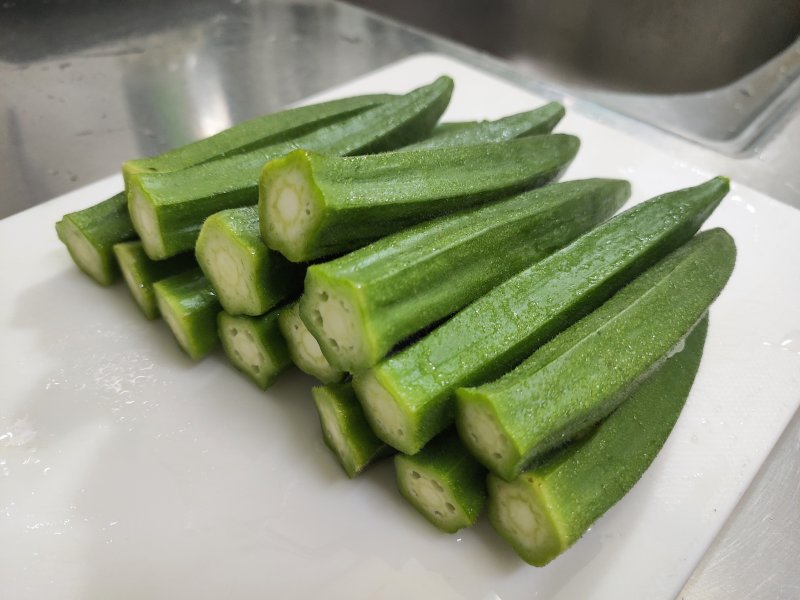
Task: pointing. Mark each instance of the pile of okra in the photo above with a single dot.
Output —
(515, 343)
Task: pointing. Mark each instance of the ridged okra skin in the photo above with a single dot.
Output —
(248, 277)
(140, 273)
(90, 235)
(345, 430)
(585, 372)
(189, 306)
(254, 345)
(548, 508)
(359, 306)
(409, 396)
(533, 122)
(314, 205)
(304, 348)
(168, 209)
(255, 133)
(443, 482)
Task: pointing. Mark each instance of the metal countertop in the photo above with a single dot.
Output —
(85, 85)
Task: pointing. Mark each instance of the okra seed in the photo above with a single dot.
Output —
(438, 513)
(234, 331)
(415, 475)
(255, 368)
(323, 296)
(437, 485)
(400, 432)
(249, 335)
(497, 455)
(450, 507)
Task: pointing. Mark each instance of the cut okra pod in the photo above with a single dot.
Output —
(304, 348)
(583, 374)
(189, 306)
(254, 345)
(443, 482)
(168, 209)
(140, 273)
(534, 122)
(314, 205)
(345, 430)
(408, 397)
(90, 235)
(359, 306)
(248, 277)
(548, 508)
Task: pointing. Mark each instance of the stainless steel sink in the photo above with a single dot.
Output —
(715, 71)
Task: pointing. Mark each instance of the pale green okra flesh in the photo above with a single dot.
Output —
(547, 508)
(443, 483)
(189, 307)
(304, 348)
(140, 273)
(255, 345)
(345, 430)
(249, 278)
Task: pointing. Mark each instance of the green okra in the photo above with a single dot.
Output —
(345, 430)
(359, 306)
(314, 205)
(248, 277)
(189, 306)
(408, 397)
(443, 482)
(549, 507)
(254, 345)
(304, 348)
(533, 122)
(140, 273)
(586, 371)
(91, 233)
(168, 209)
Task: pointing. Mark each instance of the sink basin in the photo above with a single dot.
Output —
(715, 71)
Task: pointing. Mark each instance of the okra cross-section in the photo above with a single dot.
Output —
(359, 306)
(408, 396)
(583, 374)
(248, 277)
(443, 482)
(548, 508)
(345, 430)
(189, 306)
(304, 348)
(254, 345)
(314, 205)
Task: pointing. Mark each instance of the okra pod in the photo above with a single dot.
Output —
(254, 345)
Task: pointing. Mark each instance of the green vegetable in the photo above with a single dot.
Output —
(359, 306)
(248, 277)
(315, 205)
(90, 235)
(583, 374)
(345, 430)
(443, 482)
(533, 122)
(140, 273)
(408, 397)
(168, 209)
(262, 131)
(189, 306)
(549, 507)
(254, 345)
(304, 348)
